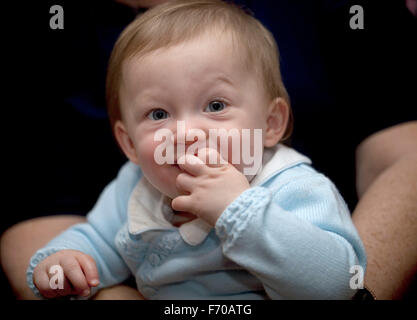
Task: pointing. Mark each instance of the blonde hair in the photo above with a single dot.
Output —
(178, 21)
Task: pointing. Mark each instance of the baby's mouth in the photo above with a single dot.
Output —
(176, 166)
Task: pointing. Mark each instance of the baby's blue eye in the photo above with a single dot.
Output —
(215, 106)
(158, 114)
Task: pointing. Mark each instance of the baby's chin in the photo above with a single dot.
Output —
(163, 179)
(169, 195)
(168, 189)
(172, 194)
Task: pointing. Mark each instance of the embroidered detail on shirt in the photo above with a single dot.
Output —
(148, 209)
(134, 250)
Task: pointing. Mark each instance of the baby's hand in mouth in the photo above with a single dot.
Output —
(208, 188)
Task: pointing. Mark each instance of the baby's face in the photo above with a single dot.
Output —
(201, 84)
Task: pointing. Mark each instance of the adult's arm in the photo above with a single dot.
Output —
(386, 215)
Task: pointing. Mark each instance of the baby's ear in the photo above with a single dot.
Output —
(124, 141)
(276, 122)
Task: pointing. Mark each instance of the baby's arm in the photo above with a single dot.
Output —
(95, 238)
(298, 238)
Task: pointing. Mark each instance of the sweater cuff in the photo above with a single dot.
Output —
(34, 261)
(237, 216)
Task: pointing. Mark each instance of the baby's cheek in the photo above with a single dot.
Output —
(146, 150)
(149, 167)
(248, 153)
(232, 151)
(147, 162)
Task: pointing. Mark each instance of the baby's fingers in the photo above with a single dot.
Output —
(41, 281)
(75, 275)
(88, 265)
(184, 203)
(66, 290)
(211, 157)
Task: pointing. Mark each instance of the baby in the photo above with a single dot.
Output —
(205, 225)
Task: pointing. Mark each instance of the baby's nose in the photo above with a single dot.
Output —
(187, 134)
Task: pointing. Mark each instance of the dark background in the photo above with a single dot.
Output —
(59, 151)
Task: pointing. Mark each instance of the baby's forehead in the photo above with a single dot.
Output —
(204, 52)
(189, 66)
(209, 40)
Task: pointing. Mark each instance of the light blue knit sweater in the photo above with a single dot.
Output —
(290, 236)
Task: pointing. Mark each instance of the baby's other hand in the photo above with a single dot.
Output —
(80, 273)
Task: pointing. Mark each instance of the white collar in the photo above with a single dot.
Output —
(148, 209)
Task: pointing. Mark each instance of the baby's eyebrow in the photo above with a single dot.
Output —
(223, 78)
(148, 97)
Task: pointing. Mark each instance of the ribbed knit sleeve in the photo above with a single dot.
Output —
(297, 237)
